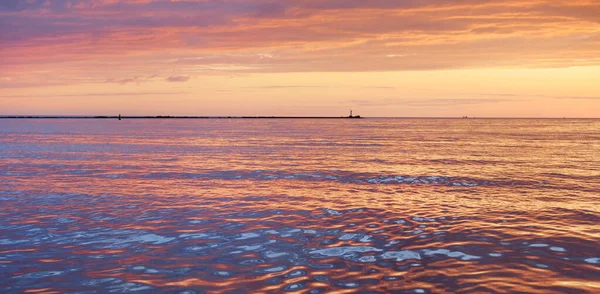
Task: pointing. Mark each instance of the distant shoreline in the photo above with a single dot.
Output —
(174, 117)
(116, 117)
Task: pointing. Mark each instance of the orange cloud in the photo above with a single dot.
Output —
(55, 43)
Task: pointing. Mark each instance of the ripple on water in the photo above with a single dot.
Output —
(39, 275)
(453, 254)
(401, 255)
(330, 245)
(593, 260)
(294, 287)
(222, 274)
(339, 251)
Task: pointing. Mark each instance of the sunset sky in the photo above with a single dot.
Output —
(505, 58)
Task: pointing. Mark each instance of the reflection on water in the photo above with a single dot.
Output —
(379, 205)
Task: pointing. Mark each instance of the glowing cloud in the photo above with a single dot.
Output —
(135, 43)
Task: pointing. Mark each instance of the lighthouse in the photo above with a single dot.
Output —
(350, 113)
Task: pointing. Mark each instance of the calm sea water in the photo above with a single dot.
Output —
(307, 206)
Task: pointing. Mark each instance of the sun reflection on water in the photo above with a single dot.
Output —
(411, 206)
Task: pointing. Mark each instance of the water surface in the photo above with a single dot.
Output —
(307, 206)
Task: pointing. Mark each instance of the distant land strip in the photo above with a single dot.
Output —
(174, 117)
(273, 117)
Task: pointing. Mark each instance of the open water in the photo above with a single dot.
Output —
(306, 206)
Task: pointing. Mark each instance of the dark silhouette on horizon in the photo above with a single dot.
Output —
(352, 116)
(120, 117)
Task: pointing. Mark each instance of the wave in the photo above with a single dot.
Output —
(299, 252)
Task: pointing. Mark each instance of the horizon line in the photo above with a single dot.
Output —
(261, 117)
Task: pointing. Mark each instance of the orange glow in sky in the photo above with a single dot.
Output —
(507, 58)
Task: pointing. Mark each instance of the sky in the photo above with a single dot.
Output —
(380, 58)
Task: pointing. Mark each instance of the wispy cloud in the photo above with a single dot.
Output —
(431, 102)
(321, 87)
(136, 80)
(177, 79)
(546, 96)
(572, 97)
(124, 81)
(92, 94)
(398, 55)
(379, 87)
(211, 36)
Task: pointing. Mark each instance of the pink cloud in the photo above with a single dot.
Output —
(177, 79)
(98, 39)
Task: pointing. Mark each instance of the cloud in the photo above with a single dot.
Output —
(546, 96)
(135, 79)
(123, 81)
(320, 87)
(94, 94)
(569, 97)
(137, 36)
(174, 79)
(432, 102)
(379, 87)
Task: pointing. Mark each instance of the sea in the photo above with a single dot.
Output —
(370, 205)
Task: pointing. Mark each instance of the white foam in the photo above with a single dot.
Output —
(401, 255)
(152, 238)
(296, 273)
(39, 275)
(129, 287)
(333, 212)
(365, 239)
(250, 247)
(274, 269)
(367, 259)
(349, 284)
(194, 235)
(339, 251)
(294, 286)
(245, 236)
(393, 242)
(347, 237)
(594, 260)
(272, 254)
(113, 176)
(453, 254)
(538, 245)
(195, 248)
(11, 242)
